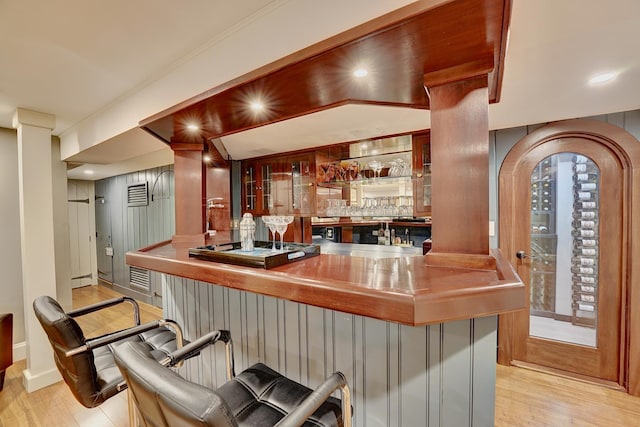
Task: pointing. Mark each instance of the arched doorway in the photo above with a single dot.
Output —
(569, 197)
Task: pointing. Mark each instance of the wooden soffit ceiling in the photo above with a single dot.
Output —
(443, 40)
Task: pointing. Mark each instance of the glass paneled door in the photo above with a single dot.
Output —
(568, 204)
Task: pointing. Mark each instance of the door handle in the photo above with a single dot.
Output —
(523, 255)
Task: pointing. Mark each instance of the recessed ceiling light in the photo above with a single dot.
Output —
(360, 72)
(256, 106)
(206, 158)
(88, 172)
(603, 78)
(192, 127)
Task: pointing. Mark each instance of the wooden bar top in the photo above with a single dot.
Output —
(403, 289)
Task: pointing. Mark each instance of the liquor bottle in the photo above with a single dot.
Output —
(387, 235)
(381, 234)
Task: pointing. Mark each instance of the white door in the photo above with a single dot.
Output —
(81, 240)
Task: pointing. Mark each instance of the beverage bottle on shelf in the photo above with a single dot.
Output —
(579, 158)
(381, 234)
(580, 232)
(584, 298)
(585, 177)
(584, 261)
(583, 288)
(585, 168)
(585, 243)
(586, 215)
(585, 279)
(393, 236)
(584, 205)
(586, 196)
(585, 251)
(387, 235)
(585, 186)
(583, 306)
(593, 270)
(583, 224)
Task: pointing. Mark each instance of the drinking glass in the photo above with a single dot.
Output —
(271, 223)
(281, 227)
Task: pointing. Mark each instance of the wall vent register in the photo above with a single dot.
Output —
(137, 194)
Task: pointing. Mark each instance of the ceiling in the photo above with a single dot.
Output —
(76, 60)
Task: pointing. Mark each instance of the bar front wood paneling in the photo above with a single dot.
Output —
(403, 290)
(436, 375)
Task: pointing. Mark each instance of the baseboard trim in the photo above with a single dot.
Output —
(36, 382)
(19, 351)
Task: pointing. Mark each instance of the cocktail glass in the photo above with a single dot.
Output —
(271, 223)
(281, 227)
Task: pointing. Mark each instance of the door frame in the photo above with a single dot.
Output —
(627, 149)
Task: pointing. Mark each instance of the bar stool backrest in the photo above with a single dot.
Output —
(64, 333)
(164, 398)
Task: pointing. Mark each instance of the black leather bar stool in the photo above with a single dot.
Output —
(87, 365)
(258, 396)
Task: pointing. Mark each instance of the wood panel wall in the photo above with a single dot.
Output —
(137, 227)
(437, 375)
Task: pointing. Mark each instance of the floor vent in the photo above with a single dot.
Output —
(139, 277)
(137, 194)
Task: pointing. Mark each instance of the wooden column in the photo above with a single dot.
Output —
(460, 168)
(190, 193)
(37, 235)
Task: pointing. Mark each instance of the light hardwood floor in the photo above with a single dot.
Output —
(523, 397)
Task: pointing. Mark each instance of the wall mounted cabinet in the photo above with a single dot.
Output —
(279, 186)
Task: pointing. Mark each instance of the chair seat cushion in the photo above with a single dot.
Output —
(261, 396)
(160, 342)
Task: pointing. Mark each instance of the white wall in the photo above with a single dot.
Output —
(10, 258)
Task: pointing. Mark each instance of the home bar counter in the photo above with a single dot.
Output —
(417, 343)
(415, 336)
(400, 289)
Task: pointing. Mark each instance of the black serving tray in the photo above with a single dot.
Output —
(262, 255)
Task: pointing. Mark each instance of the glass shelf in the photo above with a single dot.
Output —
(367, 181)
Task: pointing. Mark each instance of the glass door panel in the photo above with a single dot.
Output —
(564, 249)
(267, 193)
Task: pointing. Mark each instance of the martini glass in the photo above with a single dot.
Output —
(271, 223)
(281, 227)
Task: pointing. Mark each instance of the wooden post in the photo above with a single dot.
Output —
(460, 167)
(190, 193)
